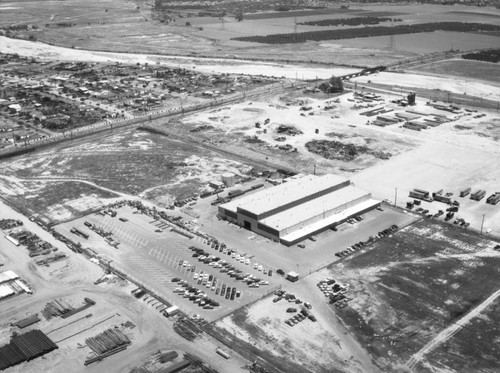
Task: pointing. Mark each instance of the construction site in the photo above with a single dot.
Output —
(246, 187)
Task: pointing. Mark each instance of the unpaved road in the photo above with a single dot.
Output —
(447, 333)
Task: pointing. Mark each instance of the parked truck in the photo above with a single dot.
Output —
(478, 195)
(171, 311)
(419, 195)
(465, 192)
(223, 353)
(494, 198)
(441, 198)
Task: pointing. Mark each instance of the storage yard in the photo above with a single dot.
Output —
(200, 188)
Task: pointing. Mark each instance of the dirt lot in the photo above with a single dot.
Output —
(129, 163)
(73, 279)
(471, 348)
(53, 200)
(413, 284)
(306, 117)
(260, 332)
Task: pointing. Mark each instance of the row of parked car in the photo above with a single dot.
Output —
(450, 214)
(352, 249)
(194, 294)
(335, 291)
(224, 267)
(221, 247)
(291, 298)
(301, 316)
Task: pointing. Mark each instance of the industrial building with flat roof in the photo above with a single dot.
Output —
(297, 209)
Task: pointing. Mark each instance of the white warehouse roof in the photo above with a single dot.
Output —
(315, 207)
(333, 219)
(271, 198)
(8, 276)
(5, 291)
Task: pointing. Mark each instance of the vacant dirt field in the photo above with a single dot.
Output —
(53, 200)
(413, 284)
(473, 348)
(129, 163)
(260, 331)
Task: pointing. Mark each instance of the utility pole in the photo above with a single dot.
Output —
(482, 224)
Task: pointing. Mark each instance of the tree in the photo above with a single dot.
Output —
(336, 83)
(333, 85)
(239, 16)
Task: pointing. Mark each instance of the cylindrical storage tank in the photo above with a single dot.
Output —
(228, 179)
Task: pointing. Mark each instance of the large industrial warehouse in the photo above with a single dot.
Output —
(292, 211)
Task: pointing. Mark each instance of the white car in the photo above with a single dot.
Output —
(185, 263)
(256, 265)
(260, 268)
(247, 262)
(195, 277)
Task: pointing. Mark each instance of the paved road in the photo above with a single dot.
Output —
(447, 333)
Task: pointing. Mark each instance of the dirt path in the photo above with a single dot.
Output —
(447, 333)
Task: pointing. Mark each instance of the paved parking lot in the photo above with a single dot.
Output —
(154, 258)
(316, 254)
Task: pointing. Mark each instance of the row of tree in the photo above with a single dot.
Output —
(364, 32)
(356, 21)
(492, 55)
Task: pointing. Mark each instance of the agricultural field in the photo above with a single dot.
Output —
(409, 287)
(465, 69)
(112, 26)
(369, 32)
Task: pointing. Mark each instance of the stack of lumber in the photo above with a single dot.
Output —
(30, 320)
(106, 341)
(25, 347)
(56, 308)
